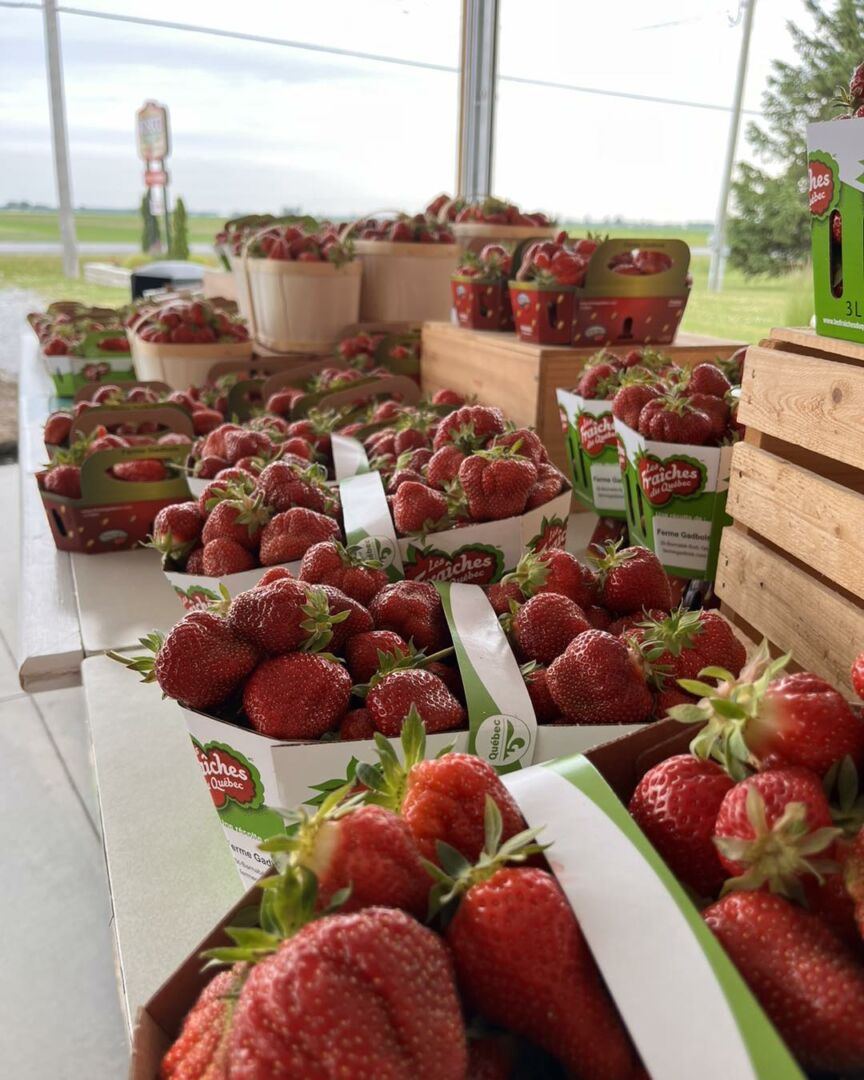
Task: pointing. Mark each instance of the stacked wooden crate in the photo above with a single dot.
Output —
(791, 568)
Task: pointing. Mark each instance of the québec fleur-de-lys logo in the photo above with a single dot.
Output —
(230, 776)
(503, 740)
(662, 479)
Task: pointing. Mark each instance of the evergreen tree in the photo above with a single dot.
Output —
(179, 232)
(770, 230)
(151, 239)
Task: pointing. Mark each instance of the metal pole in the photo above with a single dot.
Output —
(477, 104)
(718, 244)
(60, 138)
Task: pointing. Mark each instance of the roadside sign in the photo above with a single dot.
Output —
(156, 178)
(152, 128)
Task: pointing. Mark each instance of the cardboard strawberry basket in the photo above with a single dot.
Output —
(91, 364)
(676, 500)
(480, 553)
(686, 1008)
(592, 453)
(249, 774)
(156, 420)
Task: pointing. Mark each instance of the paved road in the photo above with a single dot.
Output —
(50, 248)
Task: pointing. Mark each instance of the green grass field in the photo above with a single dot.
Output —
(745, 310)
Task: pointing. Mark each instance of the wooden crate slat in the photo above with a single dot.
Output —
(816, 520)
(803, 339)
(809, 401)
(822, 629)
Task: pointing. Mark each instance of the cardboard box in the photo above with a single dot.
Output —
(481, 305)
(249, 774)
(688, 1011)
(676, 500)
(836, 197)
(592, 453)
(543, 316)
(478, 554)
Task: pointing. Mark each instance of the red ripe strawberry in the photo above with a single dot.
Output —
(356, 724)
(496, 487)
(281, 617)
(364, 652)
(283, 487)
(225, 485)
(679, 645)
(545, 625)
(674, 420)
(355, 618)
(274, 573)
(854, 878)
(239, 518)
(330, 563)
(708, 379)
(298, 696)
(447, 397)
(177, 528)
(598, 381)
(413, 609)
(201, 1048)
(470, 427)
(856, 85)
(63, 480)
(145, 471)
(490, 1057)
(57, 429)
(402, 476)
(716, 410)
(549, 483)
(598, 616)
(522, 441)
(545, 709)
(503, 593)
(368, 994)
(631, 579)
(830, 899)
(773, 828)
(208, 466)
(443, 467)
(246, 444)
(630, 400)
(282, 401)
(289, 535)
(809, 984)
(370, 849)
(409, 439)
(195, 562)
(224, 556)
(200, 661)
(675, 804)
(858, 676)
(449, 675)
(297, 447)
(521, 959)
(555, 571)
(108, 442)
(390, 700)
(598, 680)
(205, 420)
(418, 508)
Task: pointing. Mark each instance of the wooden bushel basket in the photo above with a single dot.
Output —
(405, 282)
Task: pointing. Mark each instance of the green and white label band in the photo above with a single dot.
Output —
(368, 525)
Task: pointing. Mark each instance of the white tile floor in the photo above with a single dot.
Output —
(59, 1011)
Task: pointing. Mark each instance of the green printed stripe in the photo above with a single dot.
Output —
(770, 1057)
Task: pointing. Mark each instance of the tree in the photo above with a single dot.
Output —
(179, 232)
(151, 239)
(770, 230)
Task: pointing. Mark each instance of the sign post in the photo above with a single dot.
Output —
(154, 146)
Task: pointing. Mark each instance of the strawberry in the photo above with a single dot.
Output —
(448, 674)
(503, 593)
(809, 984)
(289, 535)
(490, 1057)
(599, 617)
(673, 419)
(413, 610)
(365, 652)
(630, 400)
(443, 466)
(224, 556)
(243, 444)
(403, 476)
(631, 579)
(496, 484)
(391, 697)
(522, 961)
(545, 709)
(240, 518)
(522, 441)
(854, 878)
(675, 804)
(274, 573)
(858, 676)
(555, 571)
(768, 718)
(330, 563)
(282, 616)
(598, 381)
(283, 487)
(598, 680)
(205, 420)
(367, 994)
(679, 645)
(195, 562)
(57, 428)
(549, 483)
(208, 466)
(708, 379)
(144, 471)
(320, 690)
(829, 898)
(347, 616)
(356, 724)
(470, 427)
(200, 661)
(418, 508)
(545, 625)
(770, 826)
(227, 484)
(201, 1048)
(367, 849)
(717, 411)
(447, 397)
(63, 480)
(177, 528)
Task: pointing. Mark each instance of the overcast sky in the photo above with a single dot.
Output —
(261, 127)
